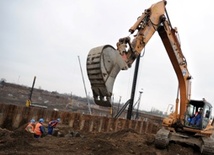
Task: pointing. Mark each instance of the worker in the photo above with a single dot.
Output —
(31, 125)
(52, 124)
(39, 129)
(196, 120)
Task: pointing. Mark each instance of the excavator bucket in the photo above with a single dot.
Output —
(103, 65)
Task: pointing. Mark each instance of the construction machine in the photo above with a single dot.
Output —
(105, 62)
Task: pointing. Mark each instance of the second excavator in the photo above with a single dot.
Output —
(105, 62)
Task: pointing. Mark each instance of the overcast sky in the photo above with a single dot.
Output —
(44, 38)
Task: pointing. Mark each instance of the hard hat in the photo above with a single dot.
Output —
(41, 120)
(32, 121)
(58, 119)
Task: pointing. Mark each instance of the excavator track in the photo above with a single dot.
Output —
(162, 138)
(103, 65)
(207, 147)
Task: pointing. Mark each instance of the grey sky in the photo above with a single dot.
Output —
(44, 38)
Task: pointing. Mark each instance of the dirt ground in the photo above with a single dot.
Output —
(126, 142)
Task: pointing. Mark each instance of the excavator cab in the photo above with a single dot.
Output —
(196, 129)
(198, 114)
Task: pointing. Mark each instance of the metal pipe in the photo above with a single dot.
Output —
(89, 108)
(129, 113)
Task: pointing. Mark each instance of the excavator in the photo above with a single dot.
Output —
(105, 62)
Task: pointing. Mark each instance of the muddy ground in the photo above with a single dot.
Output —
(124, 142)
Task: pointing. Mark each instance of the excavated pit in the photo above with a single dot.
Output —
(78, 134)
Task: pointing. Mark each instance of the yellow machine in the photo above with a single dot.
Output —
(105, 62)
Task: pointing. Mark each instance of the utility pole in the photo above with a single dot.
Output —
(89, 108)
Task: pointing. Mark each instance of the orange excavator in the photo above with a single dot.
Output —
(105, 62)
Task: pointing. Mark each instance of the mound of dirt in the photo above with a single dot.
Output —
(126, 142)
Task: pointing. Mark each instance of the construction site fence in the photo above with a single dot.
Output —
(13, 117)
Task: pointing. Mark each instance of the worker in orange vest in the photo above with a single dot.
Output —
(52, 124)
(31, 125)
(39, 129)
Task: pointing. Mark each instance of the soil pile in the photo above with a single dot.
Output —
(126, 142)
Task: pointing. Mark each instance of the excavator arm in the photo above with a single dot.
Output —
(146, 26)
(105, 62)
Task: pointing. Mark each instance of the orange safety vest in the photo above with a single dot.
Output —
(29, 127)
(37, 130)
